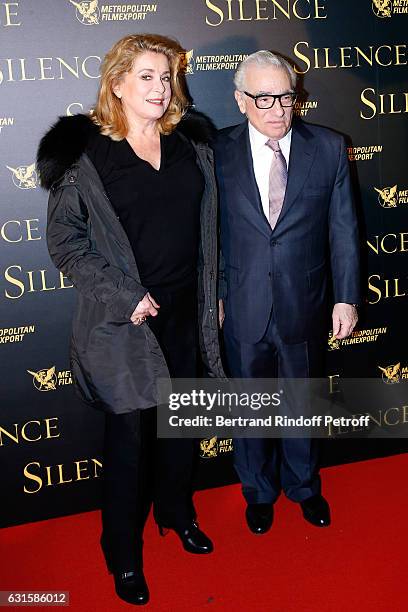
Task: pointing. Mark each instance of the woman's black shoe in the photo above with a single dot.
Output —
(193, 539)
(131, 587)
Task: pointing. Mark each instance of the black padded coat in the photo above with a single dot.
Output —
(115, 364)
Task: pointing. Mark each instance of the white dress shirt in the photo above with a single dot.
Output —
(262, 159)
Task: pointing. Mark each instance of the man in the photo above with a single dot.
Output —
(286, 212)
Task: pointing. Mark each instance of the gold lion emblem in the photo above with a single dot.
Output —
(333, 343)
(44, 380)
(87, 12)
(388, 195)
(187, 60)
(209, 448)
(391, 373)
(24, 177)
(382, 8)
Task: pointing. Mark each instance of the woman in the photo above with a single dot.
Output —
(132, 222)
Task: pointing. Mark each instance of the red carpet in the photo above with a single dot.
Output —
(359, 563)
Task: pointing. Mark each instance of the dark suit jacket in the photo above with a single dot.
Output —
(287, 268)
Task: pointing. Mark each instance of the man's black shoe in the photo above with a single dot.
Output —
(316, 511)
(193, 539)
(259, 517)
(132, 587)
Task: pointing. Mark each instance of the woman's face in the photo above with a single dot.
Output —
(145, 91)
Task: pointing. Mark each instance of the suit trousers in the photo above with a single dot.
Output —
(266, 466)
(139, 468)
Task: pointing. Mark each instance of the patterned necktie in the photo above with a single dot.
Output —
(278, 177)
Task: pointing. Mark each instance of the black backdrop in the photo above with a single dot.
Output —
(353, 65)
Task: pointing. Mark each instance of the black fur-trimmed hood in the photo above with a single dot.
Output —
(67, 139)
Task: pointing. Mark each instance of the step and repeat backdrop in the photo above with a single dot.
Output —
(351, 58)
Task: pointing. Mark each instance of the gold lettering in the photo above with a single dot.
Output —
(10, 14)
(282, 10)
(392, 111)
(3, 231)
(382, 243)
(396, 287)
(241, 12)
(24, 77)
(31, 476)
(85, 69)
(14, 281)
(373, 288)
(69, 108)
(8, 434)
(400, 51)
(259, 9)
(344, 57)
(377, 57)
(386, 420)
(49, 428)
(23, 432)
(368, 103)
(217, 11)
(31, 229)
(60, 467)
(80, 469)
(43, 68)
(301, 56)
(296, 14)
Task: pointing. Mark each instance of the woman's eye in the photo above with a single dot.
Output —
(146, 77)
(166, 79)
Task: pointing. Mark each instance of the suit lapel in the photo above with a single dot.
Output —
(302, 152)
(241, 157)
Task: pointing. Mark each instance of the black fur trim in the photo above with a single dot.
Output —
(66, 141)
(197, 127)
(62, 146)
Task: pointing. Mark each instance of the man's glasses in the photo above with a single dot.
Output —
(268, 100)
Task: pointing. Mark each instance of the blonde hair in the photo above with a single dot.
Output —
(108, 112)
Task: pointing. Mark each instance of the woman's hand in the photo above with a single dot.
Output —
(147, 307)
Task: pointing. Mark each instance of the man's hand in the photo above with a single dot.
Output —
(344, 320)
(221, 313)
(147, 307)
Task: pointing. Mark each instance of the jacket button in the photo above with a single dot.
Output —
(71, 179)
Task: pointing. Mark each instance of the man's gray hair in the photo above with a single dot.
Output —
(263, 58)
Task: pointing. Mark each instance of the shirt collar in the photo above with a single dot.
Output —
(258, 140)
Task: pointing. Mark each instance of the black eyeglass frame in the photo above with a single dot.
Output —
(275, 97)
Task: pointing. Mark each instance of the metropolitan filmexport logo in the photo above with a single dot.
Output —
(24, 177)
(382, 8)
(44, 380)
(204, 63)
(211, 447)
(391, 374)
(333, 343)
(187, 59)
(48, 379)
(388, 8)
(87, 13)
(358, 336)
(388, 196)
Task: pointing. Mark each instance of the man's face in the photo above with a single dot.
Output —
(273, 122)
